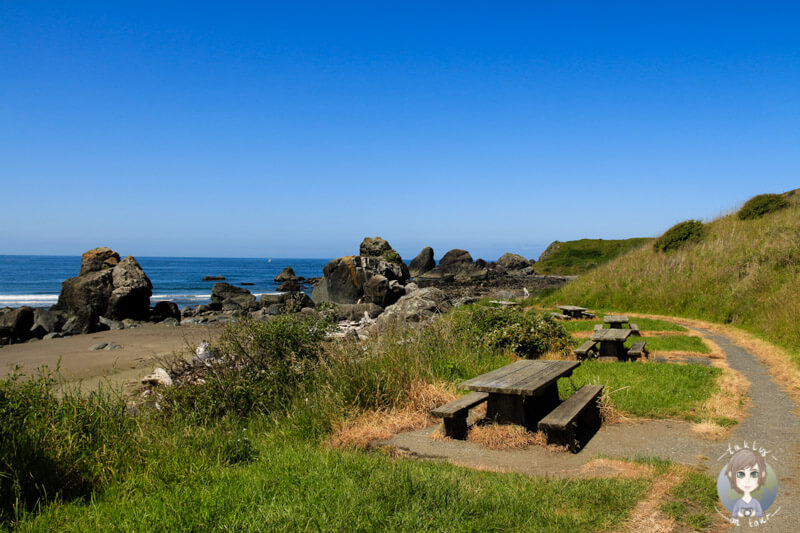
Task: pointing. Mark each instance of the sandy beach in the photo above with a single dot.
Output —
(143, 348)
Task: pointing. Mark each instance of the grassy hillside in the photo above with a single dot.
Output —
(577, 257)
(742, 272)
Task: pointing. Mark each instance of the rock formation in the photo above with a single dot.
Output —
(105, 287)
(423, 263)
(348, 280)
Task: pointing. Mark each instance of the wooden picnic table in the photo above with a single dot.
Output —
(523, 392)
(612, 341)
(573, 310)
(616, 321)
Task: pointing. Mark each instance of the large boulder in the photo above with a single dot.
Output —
(424, 262)
(344, 278)
(455, 261)
(132, 290)
(105, 287)
(232, 298)
(85, 298)
(511, 261)
(164, 310)
(98, 259)
(46, 321)
(418, 306)
(287, 274)
(16, 324)
(376, 247)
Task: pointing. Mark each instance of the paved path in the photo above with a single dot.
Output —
(772, 423)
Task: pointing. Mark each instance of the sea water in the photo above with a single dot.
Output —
(35, 280)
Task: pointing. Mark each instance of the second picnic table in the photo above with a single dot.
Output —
(523, 392)
(612, 341)
(616, 321)
(573, 310)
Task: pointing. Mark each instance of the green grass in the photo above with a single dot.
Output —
(673, 343)
(647, 390)
(578, 257)
(645, 325)
(668, 343)
(692, 502)
(296, 486)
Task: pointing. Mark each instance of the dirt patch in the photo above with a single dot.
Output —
(505, 437)
(647, 515)
(609, 468)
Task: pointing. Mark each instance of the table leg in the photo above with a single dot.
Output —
(505, 408)
(521, 410)
(612, 349)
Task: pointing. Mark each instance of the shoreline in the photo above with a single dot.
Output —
(142, 349)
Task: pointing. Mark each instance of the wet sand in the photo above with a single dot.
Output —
(143, 348)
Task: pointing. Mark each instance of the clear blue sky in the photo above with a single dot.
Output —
(295, 129)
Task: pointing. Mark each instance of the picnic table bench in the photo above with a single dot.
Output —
(574, 421)
(454, 414)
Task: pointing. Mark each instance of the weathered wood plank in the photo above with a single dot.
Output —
(637, 350)
(615, 319)
(542, 380)
(561, 416)
(532, 374)
(464, 403)
(585, 348)
(497, 373)
(613, 334)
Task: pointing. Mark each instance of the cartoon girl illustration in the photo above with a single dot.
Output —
(746, 473)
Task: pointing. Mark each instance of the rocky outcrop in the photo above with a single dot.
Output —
(418, 306)
(552, 248)
(84, 299)
(456, 260)
(164, 310)
(16, 324)
(424, 262)
(289, 286)
(96, 259)
(228, 297)
(345, 279)
(46, 322)
(119, 292)
(287, 274)
(511, 261)
(132, 290)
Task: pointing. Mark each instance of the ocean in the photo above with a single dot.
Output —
(35, 280)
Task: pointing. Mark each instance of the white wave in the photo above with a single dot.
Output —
(32, 300)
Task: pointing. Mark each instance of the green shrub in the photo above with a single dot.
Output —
(678, 235)
(528, 334)
(53, 448)
(760, 205)
(262, 367)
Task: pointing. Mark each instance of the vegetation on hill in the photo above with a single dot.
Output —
(577, 257)
(758, 206)
(678, 235)
(745, 273)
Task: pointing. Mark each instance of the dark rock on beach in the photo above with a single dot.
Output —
(164, 310)
(287, 274)
(289, 286)
(229, 297)
(423, 262)
(16, 324)
(118, 292)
